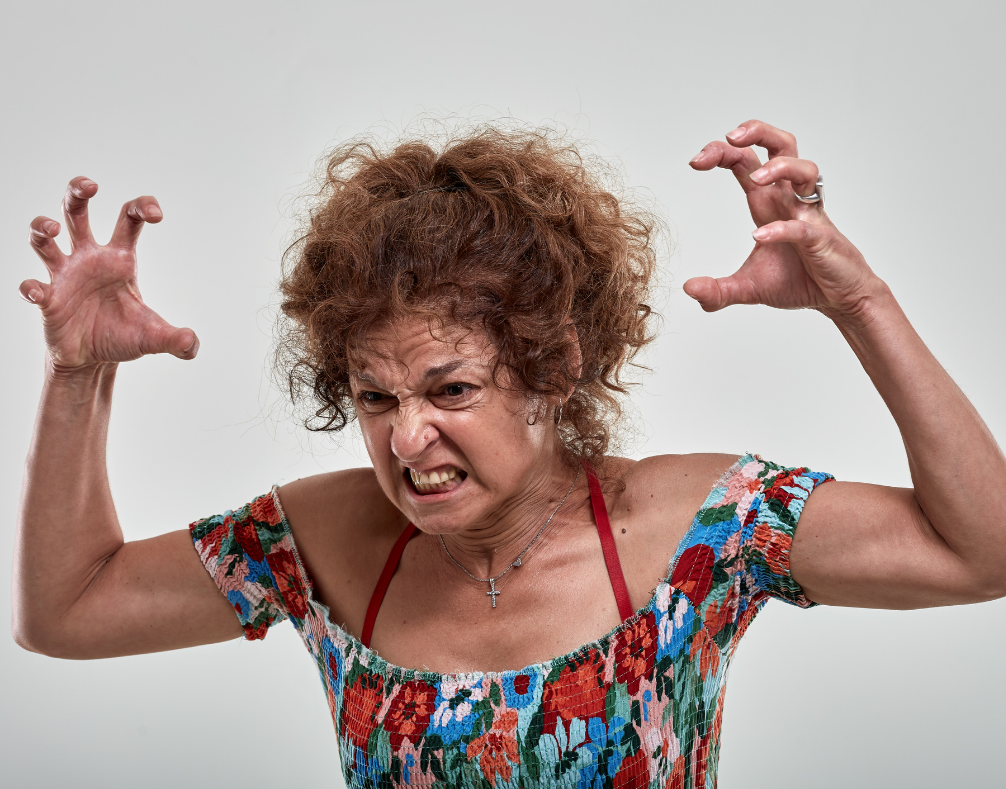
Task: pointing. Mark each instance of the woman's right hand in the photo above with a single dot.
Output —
(92, 311)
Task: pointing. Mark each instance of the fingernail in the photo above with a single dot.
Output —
(759, 174)
(87, 183)
(736, 134)
(152, 212)
(697, 156)
(52, 228)
(34, 296)
(761, 234)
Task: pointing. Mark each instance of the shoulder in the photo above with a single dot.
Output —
(667, 482)
(340, 516)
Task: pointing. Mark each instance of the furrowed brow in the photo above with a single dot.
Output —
(443, 369)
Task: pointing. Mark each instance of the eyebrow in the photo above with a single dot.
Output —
(430, 374)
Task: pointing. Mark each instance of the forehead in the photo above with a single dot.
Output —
(412, 348)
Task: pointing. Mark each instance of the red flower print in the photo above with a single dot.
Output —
(521, 683)
(209, 543)
(775, 490)
(774, 546)
(498, 748)
(253, 633)
(722, 613)
(693, 573)
(360, 707)
(677, 779)
(578, 692)
(634, 772)
(263, 509)
(709, 654)
(288, 582)
(636, 652)
(247, 537)
(410, 712)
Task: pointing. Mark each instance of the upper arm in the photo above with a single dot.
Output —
(150, 596)
(873, 547)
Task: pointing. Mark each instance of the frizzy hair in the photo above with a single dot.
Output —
(502, 228)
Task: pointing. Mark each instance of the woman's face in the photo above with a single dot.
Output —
(451, 450)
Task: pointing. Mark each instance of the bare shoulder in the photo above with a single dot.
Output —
(340, 517)
(669, 481)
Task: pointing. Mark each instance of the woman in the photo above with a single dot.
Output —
(474, 309)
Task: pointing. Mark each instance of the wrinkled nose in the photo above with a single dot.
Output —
(411, 433)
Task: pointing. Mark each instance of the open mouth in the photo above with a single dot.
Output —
(436, 480)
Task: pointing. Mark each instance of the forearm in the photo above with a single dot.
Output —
(957, 468)
(67, 527)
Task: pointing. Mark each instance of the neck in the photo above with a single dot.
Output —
(486, 550)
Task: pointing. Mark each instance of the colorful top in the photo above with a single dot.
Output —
(639, 707)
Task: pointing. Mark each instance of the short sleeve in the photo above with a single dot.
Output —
(735, 556)
(250, 555)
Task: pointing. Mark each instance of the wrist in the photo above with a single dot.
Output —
(77, 375)
(873, 301)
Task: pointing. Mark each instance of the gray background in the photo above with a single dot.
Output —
(220, 110)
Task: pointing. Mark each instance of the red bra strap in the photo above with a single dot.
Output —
(382, 583)
(615, 574)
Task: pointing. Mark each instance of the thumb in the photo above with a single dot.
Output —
(715, 294)
(159, 336)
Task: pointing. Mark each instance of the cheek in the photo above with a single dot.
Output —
(377, 438)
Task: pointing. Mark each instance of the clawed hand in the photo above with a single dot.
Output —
(800, 260)
(92, 312)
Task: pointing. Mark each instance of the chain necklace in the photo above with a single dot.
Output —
(516, 562)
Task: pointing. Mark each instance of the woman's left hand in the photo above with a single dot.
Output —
(799, 260)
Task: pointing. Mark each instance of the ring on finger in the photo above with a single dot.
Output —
(817, 197)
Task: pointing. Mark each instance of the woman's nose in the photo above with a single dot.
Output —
(411, 433)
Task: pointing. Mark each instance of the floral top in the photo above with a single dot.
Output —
(639, 707)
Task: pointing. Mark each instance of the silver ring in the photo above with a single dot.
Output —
(817, 197)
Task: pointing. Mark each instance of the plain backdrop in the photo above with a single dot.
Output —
(220, 109)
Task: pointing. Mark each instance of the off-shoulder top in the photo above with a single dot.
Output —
(639, 707)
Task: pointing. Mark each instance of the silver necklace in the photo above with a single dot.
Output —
(493, 592)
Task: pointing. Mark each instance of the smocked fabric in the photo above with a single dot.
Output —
(639, 707)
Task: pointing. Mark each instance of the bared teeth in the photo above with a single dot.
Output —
(424, 481)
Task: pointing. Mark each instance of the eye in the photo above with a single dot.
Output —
(453, 394)
(371, 397)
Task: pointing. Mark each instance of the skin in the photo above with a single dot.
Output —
(425, 401)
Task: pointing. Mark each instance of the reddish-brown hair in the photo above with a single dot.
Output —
(509, 231)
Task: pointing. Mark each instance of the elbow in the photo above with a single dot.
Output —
(40, 638)
(988, 588)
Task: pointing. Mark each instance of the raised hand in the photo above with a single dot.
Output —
(92, 312)
(800, 260)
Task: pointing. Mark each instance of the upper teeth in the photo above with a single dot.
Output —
(433, 477)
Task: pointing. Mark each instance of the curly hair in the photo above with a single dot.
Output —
(511, 231)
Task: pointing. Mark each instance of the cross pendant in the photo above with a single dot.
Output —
(492, 590)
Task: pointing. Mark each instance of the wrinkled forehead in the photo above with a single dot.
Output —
(411, 351)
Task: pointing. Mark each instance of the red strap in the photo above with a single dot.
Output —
(382, 583)
(611, 560)
(615, 574)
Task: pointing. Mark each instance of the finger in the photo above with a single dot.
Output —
(41, 233)
(801, 173)
(159, 336)
(776, 141)
(35, 292)
(715, 294)
(132, 217)
(809, 235)
(741, 161)
(79, 191)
